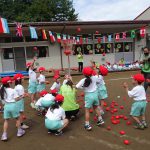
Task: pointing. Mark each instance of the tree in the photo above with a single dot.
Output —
(37, 10)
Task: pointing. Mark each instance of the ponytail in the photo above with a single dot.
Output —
(3, 91)
(54, 106)
(87, 81)
(18, 82)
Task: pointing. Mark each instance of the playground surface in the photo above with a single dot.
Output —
(75, 137)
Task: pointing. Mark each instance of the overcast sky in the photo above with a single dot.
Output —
(97, 10)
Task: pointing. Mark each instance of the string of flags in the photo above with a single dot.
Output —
(53, 36)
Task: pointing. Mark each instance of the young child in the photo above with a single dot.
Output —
(10, 97)
(55, 117)
(56, 84)
(102, 91)
(139, 96)
(41, 80)
(88, 84)
(69, 105)
(67, 77)
(20, 104)
(32, 88)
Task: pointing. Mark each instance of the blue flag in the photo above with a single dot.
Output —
(33, 33)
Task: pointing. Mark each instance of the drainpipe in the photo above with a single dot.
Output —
(61, 59)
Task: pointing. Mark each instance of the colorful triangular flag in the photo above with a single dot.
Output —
(58, 38)
(52, 37)
(44, 36)
(33, 33)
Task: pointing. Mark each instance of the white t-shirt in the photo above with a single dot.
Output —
(100, 80)
(47, 97)
(56, 114)
(55, 86)
(65, 81)
(138, 93)
(10, 95)
(41, 78)
(32, 76)
(91, 88)
(19, 89)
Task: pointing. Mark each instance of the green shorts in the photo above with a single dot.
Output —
(91, 99)
(102, 92)
(138, 108)
(10, 111)
(40, 87)
(46, 103)
(20, 105)
(32, 88)
(53, 124)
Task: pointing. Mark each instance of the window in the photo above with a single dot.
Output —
(40, 51)
(88, 49)
(77, 49)
(99, 48)
(127, 47)
(8, 53)
(118, 47)
(108, 48)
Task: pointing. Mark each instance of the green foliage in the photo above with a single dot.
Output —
(37, 10)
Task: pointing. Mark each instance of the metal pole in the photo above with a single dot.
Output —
(68, 65)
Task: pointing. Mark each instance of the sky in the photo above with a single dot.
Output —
(100, 10)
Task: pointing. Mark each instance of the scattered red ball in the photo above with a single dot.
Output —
(115, 110)
(125, 118)
(95, 118)
(121, 116)
(107, 108)
(117, 117)
(121, 107)
(108, 128)
(126, 142)
(122, 132)
(128, 123)
(91, 110)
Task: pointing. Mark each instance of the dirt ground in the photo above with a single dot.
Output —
(75, 137)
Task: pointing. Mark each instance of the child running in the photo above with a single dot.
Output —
(89, 85)
(102, 91)
(20, 104)
(55, 117)
(10, 97)
(138, 107)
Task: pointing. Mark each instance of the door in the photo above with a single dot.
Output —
(8, 60)
(20, 61)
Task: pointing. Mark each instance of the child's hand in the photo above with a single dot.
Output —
(125, 85)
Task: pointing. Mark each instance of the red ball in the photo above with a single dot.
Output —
(112, 106)
(121, 107)
(97, 32)
(107, 108)
(95, 118)
(114, 122)
(126, 142)
(103, 54)
(121, 116)
(112, 111)
(78, 29)
(122, 132)
(115, 110)
(125, 118)
(108, 128)
(116, 104)
(105, 104)
(91, 110)
(128, 123)
(117, 117)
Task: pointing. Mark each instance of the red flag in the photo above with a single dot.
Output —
(52, 38)
(44, 36)
(19, 29)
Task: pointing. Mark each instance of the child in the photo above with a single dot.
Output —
(56, 84)
(41, 80)
(102, 91)
(69, 105)
(10, 97)
(20, 104)
(139, 96)
(32, 88)
(67, 77)
(55, 117)
(88, 84)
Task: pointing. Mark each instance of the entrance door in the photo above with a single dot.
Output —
(8, 60)
(20, 61)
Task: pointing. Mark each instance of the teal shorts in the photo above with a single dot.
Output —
(91, 99)
(138, 108)
(32, 88)
(46, 103)
(20, 105)
(40, 87)
(53, 124)
(102, 92)
(10, 111)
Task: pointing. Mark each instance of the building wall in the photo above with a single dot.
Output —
(0, 60)
(145, 15)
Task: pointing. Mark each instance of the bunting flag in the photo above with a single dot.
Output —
(64, 38)
(58, 38)
(19, 30)
(87, 40)
(69, 39)
(109, 38)
(81, 40)
(78, 40)
(44, 36)
(74, 40)
(124, 35)
(132, 34)
(104, 39)
(99, 40)
(142, 32)
(52, 37)
(4, 26)
(117, 37)
(33, 33)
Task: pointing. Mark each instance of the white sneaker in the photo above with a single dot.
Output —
(24, 126)
(32, 104)
(4, 137)
(20, 132)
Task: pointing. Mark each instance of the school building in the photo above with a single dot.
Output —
(15, 51)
